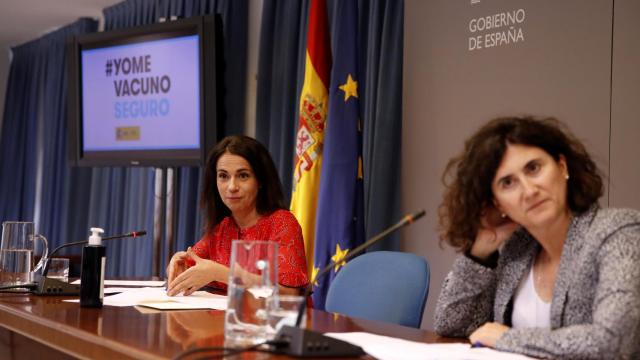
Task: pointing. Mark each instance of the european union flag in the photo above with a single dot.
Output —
(339, 222)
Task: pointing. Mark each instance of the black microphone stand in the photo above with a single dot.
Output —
(48, 286)
(299, 342)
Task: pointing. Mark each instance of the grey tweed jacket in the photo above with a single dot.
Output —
(595, 310)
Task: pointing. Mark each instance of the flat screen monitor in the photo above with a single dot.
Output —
(143, 96)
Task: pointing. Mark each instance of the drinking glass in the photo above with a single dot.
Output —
(253, 281)
(283, 310)
(59, 269)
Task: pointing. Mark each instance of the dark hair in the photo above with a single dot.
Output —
(270, 196)
(468, 177)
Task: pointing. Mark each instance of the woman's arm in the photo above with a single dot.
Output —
(181, 261)
(292, 263)
(468, 293)
(205, 271)
(195, 277)
(466, 299)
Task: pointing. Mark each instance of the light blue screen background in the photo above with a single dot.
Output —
(179, 129)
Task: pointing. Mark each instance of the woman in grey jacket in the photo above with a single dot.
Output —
(544, 272)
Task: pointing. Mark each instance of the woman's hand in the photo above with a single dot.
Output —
(203, 272)
(488, 334)
(493, 231)
(177, 265)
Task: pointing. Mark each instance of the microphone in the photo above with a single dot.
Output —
(298, 342)
(47, 286)
(133, 234)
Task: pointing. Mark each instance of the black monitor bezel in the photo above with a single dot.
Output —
(204, 27)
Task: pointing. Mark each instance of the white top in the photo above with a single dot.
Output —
(528, 309)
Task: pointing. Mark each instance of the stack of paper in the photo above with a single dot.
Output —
(157, 298)
(146, 283)
(384, 347)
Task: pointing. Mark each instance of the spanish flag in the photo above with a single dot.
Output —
(310, 136)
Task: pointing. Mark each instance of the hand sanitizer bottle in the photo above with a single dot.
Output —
(92, 275)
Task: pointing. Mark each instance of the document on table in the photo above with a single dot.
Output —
(148, 283)
(385, 347)
(157, 298)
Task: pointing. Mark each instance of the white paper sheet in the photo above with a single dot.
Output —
(172, 305)
(115, 290)
(148, 283)
(384, 347)
(150, 295)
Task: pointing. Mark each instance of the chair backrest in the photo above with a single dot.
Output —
(382, 285)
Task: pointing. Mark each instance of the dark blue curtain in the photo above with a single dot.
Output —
(19, 133)
(280, 78)
(283, 40)
(61, 200)
(122, 199)
(381, 30)
(33, 169)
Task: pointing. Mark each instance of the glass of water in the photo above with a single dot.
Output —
(253, 281)
(283, 310)
(59, 269)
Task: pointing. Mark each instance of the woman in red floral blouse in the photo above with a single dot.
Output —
(242, 198)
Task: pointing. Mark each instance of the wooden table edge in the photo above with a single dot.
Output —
(49, 333)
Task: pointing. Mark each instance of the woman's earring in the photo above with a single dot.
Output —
(503, 215)
(566, 177)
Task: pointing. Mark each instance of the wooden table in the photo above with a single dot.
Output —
(33, 327)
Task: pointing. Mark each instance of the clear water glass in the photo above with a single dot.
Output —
(283, 310)
(59, 269)
(253, 281)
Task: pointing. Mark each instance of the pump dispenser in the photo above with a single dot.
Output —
(92, 275)
(95, 238)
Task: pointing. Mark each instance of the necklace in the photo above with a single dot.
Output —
(544, 277)
(538, 274)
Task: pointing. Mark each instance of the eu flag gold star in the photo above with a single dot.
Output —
(314, 273)
(338, 256)
(350, 88)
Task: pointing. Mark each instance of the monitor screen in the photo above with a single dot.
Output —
(140, 96)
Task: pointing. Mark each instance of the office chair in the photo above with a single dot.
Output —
(382, 285)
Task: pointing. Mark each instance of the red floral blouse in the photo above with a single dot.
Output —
(280, 226)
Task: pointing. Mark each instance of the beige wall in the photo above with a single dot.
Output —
(625, 107)
(561, 67)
